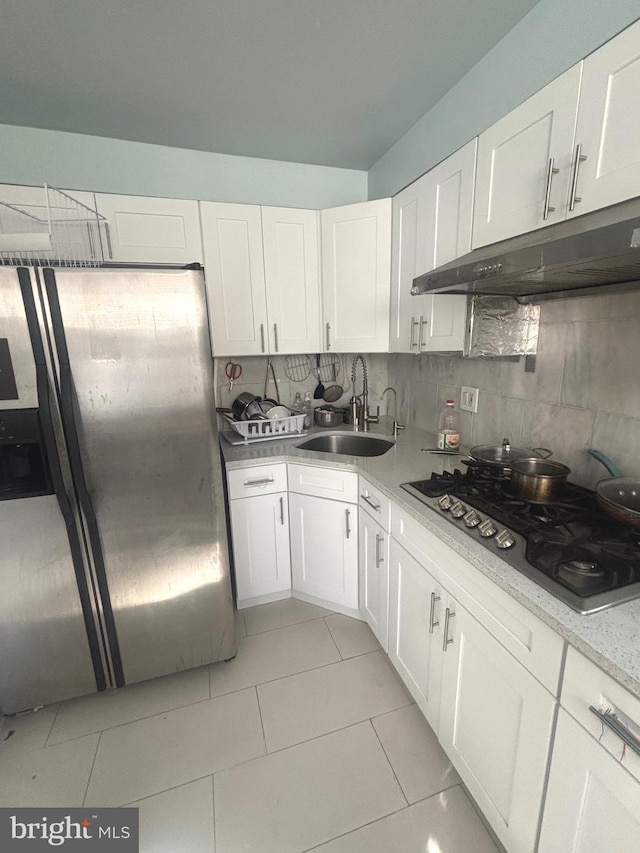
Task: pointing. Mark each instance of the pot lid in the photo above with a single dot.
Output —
(499, 453)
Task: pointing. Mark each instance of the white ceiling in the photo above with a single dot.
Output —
(331, 82)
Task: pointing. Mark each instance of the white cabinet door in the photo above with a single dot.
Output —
(495, 725)
(608, 128)
(324, 550)
(260, 536)
(516, 159)
(592, 802)
(415, 626)
(234, 271)
(292, 272)
(147, 230)
(356, 276)
(431, 226)
(373, 557)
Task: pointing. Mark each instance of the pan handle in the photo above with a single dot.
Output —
(611, 467)
(542, 452)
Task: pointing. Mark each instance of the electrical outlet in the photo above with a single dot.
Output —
(469, 399)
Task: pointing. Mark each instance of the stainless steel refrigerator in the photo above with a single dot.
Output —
(113, 547)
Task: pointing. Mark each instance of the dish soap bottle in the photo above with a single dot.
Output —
(449, 428)
(307, 409)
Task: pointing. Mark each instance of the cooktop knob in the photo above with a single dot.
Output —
(458, 509)
(487, 528)
(472, 519)
(505, 540)
(445, 503)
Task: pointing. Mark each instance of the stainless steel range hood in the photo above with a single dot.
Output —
(567, 259)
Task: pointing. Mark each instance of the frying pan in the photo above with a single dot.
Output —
(618, 496)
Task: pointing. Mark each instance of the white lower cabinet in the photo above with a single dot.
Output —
(324, 551)
(593, 797)
(415, 630)
(593, 802)
(260, 530)
(496, 723)
(373, 575)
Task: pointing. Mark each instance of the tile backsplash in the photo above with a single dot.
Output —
(585, 391)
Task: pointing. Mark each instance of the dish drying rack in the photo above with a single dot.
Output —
(268, 429)
(51, 229)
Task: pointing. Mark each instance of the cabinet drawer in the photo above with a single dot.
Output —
(586, 685)
(371, 499)
(257, 480)
(324, 482)
(528, 639)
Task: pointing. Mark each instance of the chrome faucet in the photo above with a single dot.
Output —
(360, 411)
(396, 425)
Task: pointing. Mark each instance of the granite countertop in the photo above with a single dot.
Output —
(610, 638)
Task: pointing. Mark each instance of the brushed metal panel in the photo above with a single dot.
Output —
(139, 351)
(13, 327)
(44, 652)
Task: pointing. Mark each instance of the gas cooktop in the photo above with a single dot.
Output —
(570, 547)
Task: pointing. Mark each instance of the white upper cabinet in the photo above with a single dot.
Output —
(234, 271)
(431, 226)
(517, 186)
(608, 128)
(356, 256)
(292, 275)
(263, 282)
(146, 230)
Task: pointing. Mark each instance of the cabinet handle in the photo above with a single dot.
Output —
(262, 336)
(379, 559)
(432, 622)
(551, 171)
(368, 500)
(275, 335)
(421, 325)
(412, 341)
(445, 639)
(282, 511)
(348, 513)
(328, 336)
(579, 158)
(263, 482)
(612, 722)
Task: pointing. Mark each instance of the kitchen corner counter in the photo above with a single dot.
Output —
(610, 638)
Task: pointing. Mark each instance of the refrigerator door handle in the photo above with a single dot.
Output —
(49, 440)
(75, 460)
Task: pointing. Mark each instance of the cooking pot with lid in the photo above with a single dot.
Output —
(503, 455)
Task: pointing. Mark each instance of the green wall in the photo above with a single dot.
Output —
(551, 38)
(76, 161)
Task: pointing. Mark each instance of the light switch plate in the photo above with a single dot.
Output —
(469, 399)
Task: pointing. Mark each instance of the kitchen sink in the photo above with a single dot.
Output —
(348, 443)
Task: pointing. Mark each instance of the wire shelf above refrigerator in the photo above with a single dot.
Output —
(51, 228)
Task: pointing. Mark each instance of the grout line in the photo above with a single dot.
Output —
(356, 829)
(213, 810)
(291, 625)
(93, 764)
(53, 721)
(264, 737)
(164, 791)
(393, 770)
(333, 638)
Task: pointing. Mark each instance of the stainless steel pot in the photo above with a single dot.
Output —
(328, 416)
(538, 480)
(242, 404)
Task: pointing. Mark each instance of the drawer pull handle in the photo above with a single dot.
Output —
(551, 171)
(262, 337)
(348, 513)
(379, 559)
(432, 623)
(445, 639)
(282, 511)
(579, 158)
(275, 335)
(265, 481)
(609, 719)
(371, 503)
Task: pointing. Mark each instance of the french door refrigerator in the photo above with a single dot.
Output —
(113, 547)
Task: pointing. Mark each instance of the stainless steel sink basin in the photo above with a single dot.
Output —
(348, 443)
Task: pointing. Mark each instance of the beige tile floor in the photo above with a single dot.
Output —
(306, 741)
